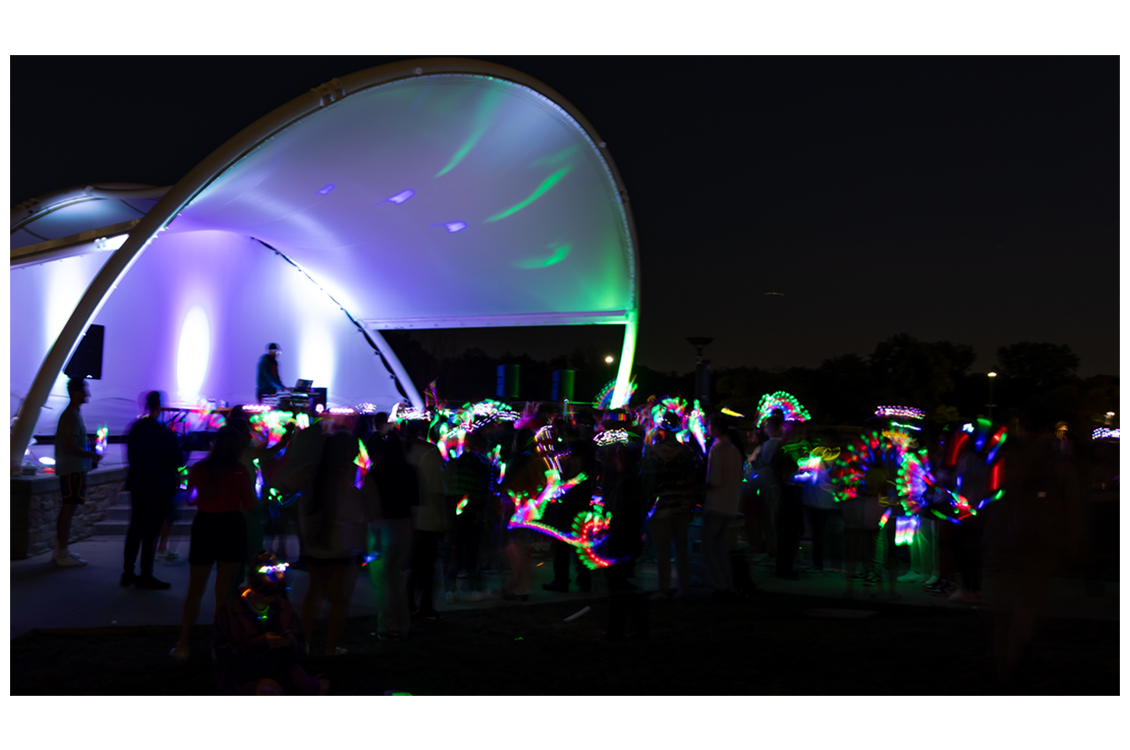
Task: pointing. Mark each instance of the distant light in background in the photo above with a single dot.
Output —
(110, 244)
(609, 359)
(992, 374)
(774, 294)
(325, 190)
(193, 350)
(401, 197)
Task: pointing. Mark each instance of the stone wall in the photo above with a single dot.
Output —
(35, 509)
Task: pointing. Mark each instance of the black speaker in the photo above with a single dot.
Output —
(507, 381)
(86, 362)
(562, 385)
(317, 396)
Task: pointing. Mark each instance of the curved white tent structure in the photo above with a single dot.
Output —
(429, 193)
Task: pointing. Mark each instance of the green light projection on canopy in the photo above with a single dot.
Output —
(484, 115)
(561, 251)
(541, 190)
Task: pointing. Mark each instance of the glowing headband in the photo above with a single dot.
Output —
(900, 412)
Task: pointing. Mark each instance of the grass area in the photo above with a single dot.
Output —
(768, 645)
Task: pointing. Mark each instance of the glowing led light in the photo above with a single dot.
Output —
(326, 189)
(258, 480)
(270, 425)
(1106, 433)
(318, 409)
(461, 506)
(589, 528)
(905, 529)
(890, 451)
(608, 359)
(363, 465)
(731, 413)
(193, 350)
(603, 398)
(696, 424)
(455, 226)
(612, 437)
(901, 412)
(344, 410)
(274, 569)
(401, 197)
(967, 427)
(47, 461)
(786, 402)
(100, 438)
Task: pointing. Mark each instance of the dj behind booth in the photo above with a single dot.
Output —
(267, 381)
(302, 398)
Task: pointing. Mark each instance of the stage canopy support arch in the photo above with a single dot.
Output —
(411, 194)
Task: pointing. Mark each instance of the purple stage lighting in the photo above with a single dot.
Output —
(455, 226)
(401, 197)
(325, 190)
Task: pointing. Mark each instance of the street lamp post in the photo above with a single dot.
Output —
(701, 374)
(992, 377)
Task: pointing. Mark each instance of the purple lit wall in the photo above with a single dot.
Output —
(191, 318)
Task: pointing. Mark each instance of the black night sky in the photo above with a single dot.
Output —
(970, 199)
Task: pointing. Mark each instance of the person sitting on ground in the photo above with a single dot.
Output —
(258, 638)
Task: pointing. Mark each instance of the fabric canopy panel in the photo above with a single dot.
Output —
(435, 198)
(459, 196)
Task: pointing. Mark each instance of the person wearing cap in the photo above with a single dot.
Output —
(267, 381)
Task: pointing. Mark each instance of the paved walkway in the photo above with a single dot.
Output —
(44, 596)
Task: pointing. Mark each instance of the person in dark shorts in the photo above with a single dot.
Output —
(154, 461)
(222, 490)
(73, 459)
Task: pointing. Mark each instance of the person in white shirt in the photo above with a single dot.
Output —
(723, 488)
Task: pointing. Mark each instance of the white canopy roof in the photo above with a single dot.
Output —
(432, 193)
